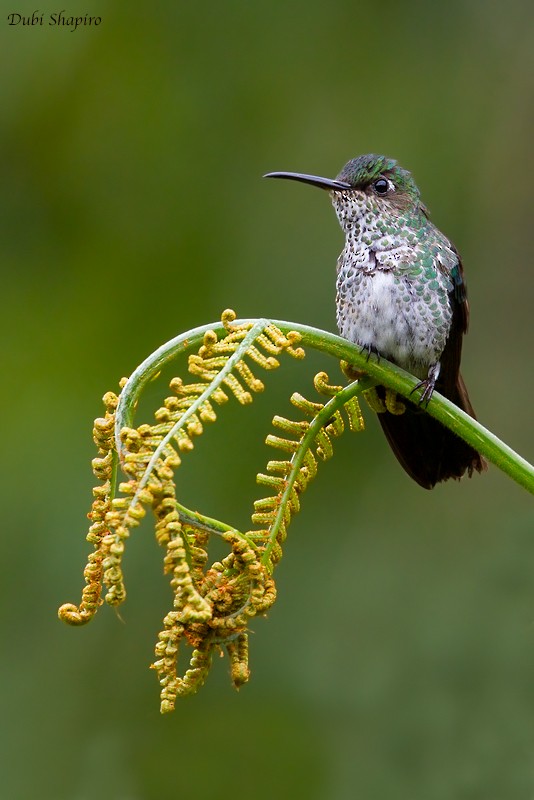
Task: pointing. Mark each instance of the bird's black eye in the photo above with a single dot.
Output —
(381, 186)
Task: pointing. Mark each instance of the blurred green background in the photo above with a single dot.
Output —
(398, 661)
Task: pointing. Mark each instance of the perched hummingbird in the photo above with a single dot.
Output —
(401, 294)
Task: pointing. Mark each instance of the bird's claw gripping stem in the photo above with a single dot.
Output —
(428, 384)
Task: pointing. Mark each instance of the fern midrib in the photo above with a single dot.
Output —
(306, 442)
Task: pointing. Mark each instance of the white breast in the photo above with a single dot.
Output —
(383, 311)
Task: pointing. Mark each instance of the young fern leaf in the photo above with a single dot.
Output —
(151, 453)
(211, 607)
(241, 586)
(308, 441)
(214, 603)
(103, 469)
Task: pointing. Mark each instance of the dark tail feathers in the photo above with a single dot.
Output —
(428, 451)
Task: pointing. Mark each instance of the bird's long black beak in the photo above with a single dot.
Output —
(313, 180)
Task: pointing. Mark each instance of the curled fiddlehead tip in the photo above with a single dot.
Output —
(98, 534)
(72, 615)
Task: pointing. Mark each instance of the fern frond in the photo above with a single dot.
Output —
(151, 453)
(308, 440)
(213, 604)
(103, 469)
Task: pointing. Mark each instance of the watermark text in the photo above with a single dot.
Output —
(57, 19)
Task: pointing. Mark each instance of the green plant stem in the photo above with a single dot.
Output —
(198, 520)
(381, 371)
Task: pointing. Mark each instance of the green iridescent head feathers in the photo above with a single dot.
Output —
(362, 171)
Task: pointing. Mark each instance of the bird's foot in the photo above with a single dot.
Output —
(369, 348)
(428, 384)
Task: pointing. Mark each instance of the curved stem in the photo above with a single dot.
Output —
(209, 524)
(383, 372)
(249, 339)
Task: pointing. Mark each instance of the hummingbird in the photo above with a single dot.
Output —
(401, 294)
